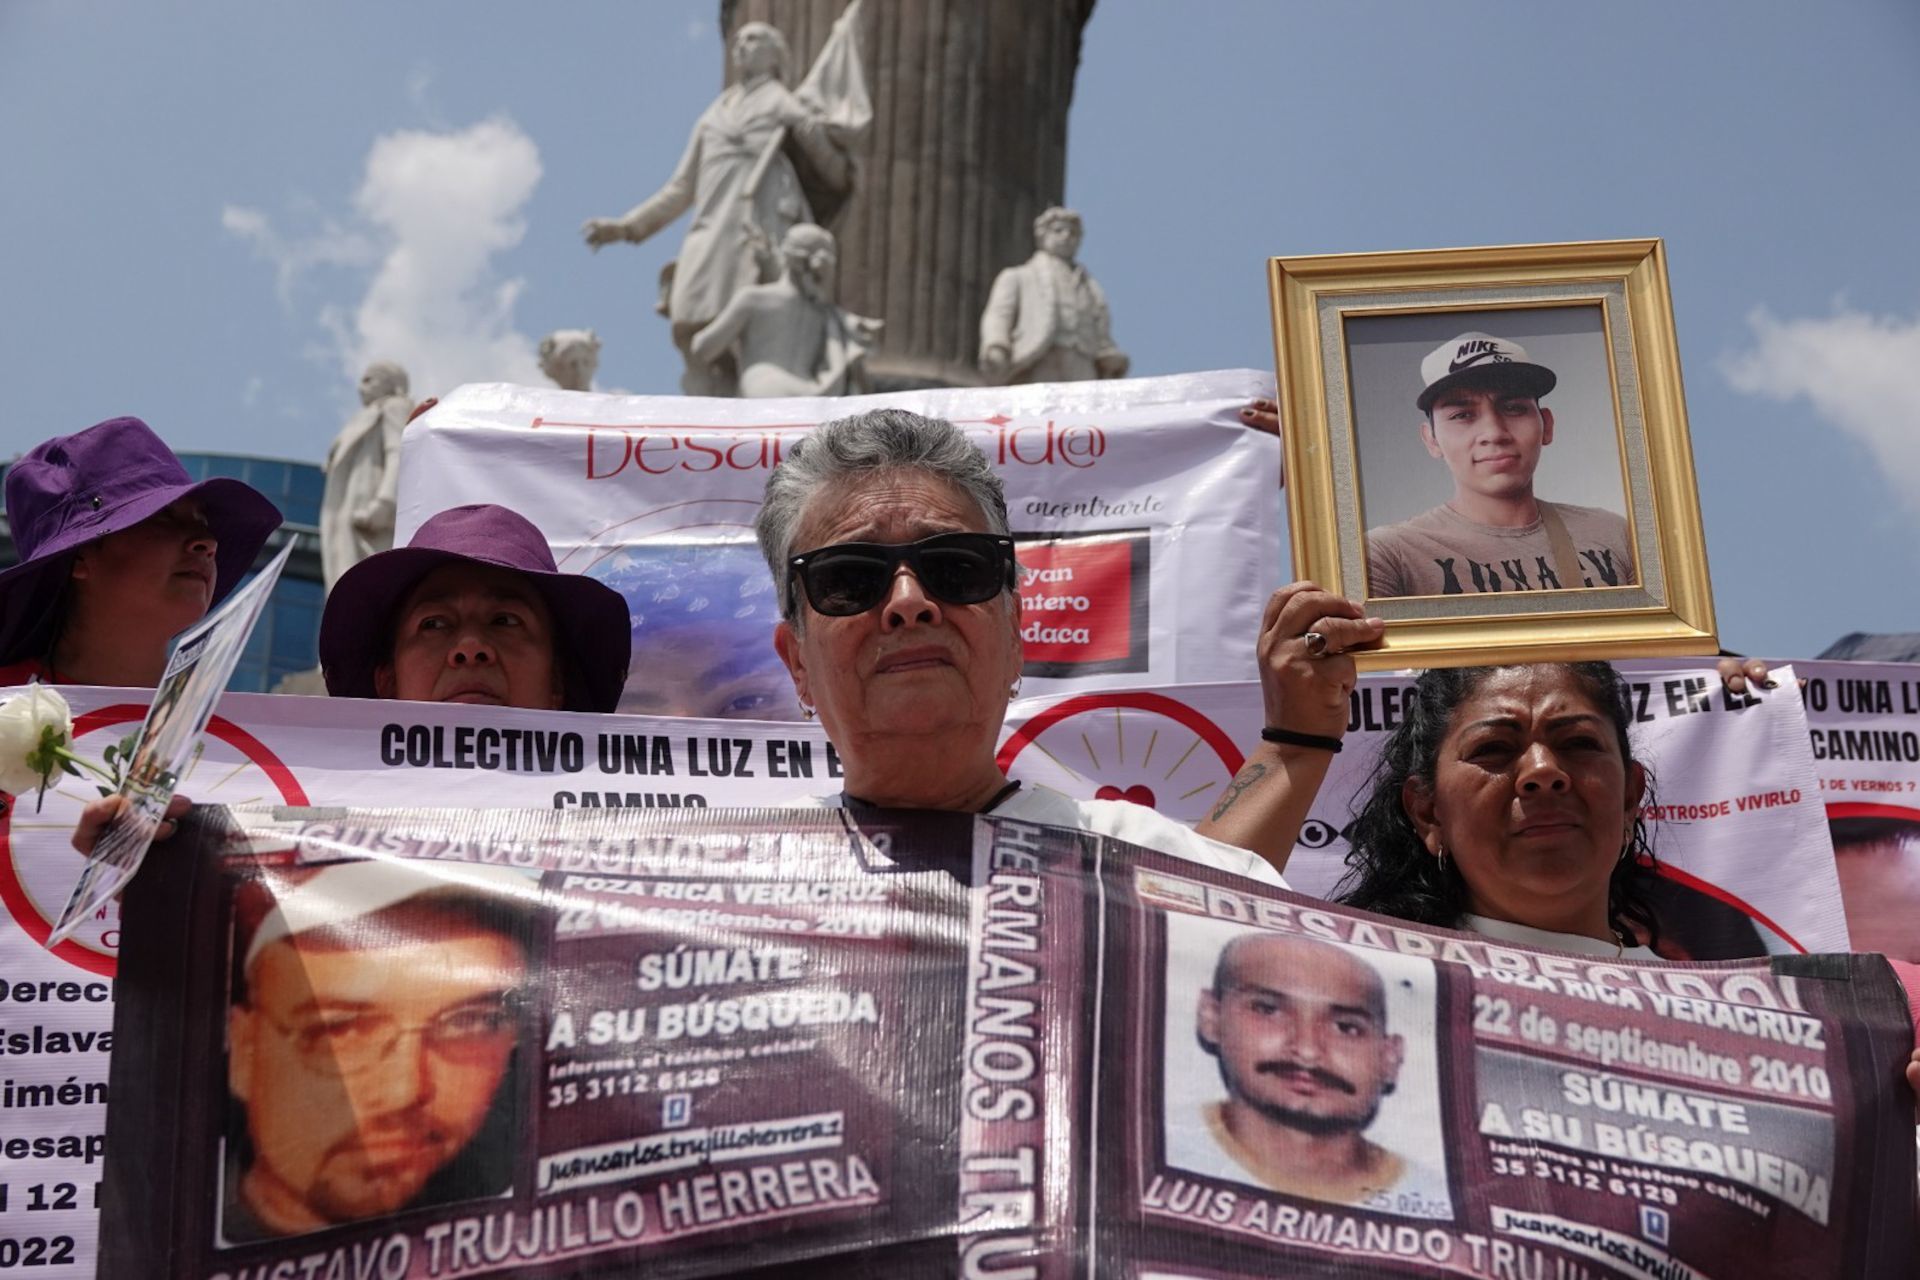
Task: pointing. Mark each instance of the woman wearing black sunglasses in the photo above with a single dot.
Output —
(887, 536)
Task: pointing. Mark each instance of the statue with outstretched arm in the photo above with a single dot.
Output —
(739, 179)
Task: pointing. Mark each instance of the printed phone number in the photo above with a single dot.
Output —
(596, 1088)
(1652, 1193)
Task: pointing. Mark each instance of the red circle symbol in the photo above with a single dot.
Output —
(1120, 780)
(1210, 733)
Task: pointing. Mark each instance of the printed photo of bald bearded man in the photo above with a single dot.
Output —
(1303, 1067)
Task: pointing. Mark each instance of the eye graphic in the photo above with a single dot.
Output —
(1315, 834)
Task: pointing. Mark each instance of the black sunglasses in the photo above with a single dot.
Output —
(849, 578)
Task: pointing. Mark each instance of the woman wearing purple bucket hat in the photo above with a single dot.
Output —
(474, 610)
(119, 549)
(471, 610)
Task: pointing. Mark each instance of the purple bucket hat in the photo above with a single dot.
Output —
(76, 489)
(590, 625)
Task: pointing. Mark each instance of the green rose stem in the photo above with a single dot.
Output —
(53, 753)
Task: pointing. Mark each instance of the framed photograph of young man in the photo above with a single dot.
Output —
(1488, 448)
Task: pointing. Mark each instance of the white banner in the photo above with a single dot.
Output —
(1737, 818)
(1148, 518)
(1740, 819)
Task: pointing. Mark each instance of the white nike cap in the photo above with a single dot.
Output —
(1480, 360)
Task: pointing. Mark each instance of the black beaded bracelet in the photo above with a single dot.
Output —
(1288, 738)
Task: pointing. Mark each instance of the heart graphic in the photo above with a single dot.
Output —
(1141, 795)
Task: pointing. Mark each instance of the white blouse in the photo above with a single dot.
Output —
(1528, 936)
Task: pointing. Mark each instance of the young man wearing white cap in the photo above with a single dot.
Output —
(370, 1045)
(1484, 420)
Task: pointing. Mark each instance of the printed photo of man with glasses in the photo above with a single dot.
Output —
(372, 1045)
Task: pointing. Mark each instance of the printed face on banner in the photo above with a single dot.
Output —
(1299, 1028)
(1878, 860)
(1309, 1047)
(1480, 436)
(703, 616)
(367, 1056)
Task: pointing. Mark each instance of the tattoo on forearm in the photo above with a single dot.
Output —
(1235, 789)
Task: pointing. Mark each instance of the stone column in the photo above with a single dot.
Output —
(968, 145)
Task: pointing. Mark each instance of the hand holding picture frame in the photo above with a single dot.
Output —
(1489, 449)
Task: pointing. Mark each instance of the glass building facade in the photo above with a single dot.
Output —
(284, 642)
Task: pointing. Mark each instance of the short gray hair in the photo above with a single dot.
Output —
(869, 443)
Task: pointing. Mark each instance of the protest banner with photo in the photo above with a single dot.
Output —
(1173, 748)
(1735, 811)
(463, 1043)
(1865, 721)
(1140, 506)
(1475, 1109)
(56, 1005)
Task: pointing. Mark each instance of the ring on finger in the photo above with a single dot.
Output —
(1316, 644)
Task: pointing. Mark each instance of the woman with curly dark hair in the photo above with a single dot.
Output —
(1507, 802)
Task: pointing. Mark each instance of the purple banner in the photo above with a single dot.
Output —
(441, 1043)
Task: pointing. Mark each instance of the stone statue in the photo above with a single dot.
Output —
(363, 473)
(968, 144)
(570, 357)
(1046, 320)
(788, 337)
(740, 178)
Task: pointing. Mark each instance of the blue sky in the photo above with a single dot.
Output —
(214, 212)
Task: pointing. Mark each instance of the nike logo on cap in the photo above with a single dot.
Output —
(1483, 357)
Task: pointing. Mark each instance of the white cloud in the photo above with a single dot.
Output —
(329, 246)
(1857, 370)
(432, 214)
(445, 205)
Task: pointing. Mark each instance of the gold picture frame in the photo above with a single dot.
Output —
(1358, 398)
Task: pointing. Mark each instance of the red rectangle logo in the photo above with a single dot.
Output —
(1083, 603)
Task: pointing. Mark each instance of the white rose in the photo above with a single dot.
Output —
(31, 722)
